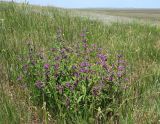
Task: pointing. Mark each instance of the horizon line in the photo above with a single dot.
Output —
(153, 8)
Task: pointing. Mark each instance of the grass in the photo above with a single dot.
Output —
(38, 25)
(8, 112)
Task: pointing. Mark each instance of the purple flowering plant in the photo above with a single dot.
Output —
(75, 82)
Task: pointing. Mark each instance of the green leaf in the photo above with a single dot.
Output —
(79, 99)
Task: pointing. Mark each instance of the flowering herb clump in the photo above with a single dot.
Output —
(75, 80)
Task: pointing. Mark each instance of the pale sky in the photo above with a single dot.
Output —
(97, 3)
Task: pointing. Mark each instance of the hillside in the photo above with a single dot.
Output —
(45, 50)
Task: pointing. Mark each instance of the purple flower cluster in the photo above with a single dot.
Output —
(111, 77)
(39, 84)
(103, 61)
(102, 57)
(47, 71)
(71, 86)
(74, 67)
(84, 64)
(121, 66)
(68, 85)
(46, 66)
(84, 67)
(56, 66)
(84, 70)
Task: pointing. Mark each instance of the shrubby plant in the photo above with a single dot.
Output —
(79, 82)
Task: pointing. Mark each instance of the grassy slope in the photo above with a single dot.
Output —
(139, 45)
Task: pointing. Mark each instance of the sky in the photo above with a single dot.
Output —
(97, 3)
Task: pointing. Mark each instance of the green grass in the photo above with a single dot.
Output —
(24, 23)
(8, 112)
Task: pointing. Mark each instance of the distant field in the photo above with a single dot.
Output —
(147, 14)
